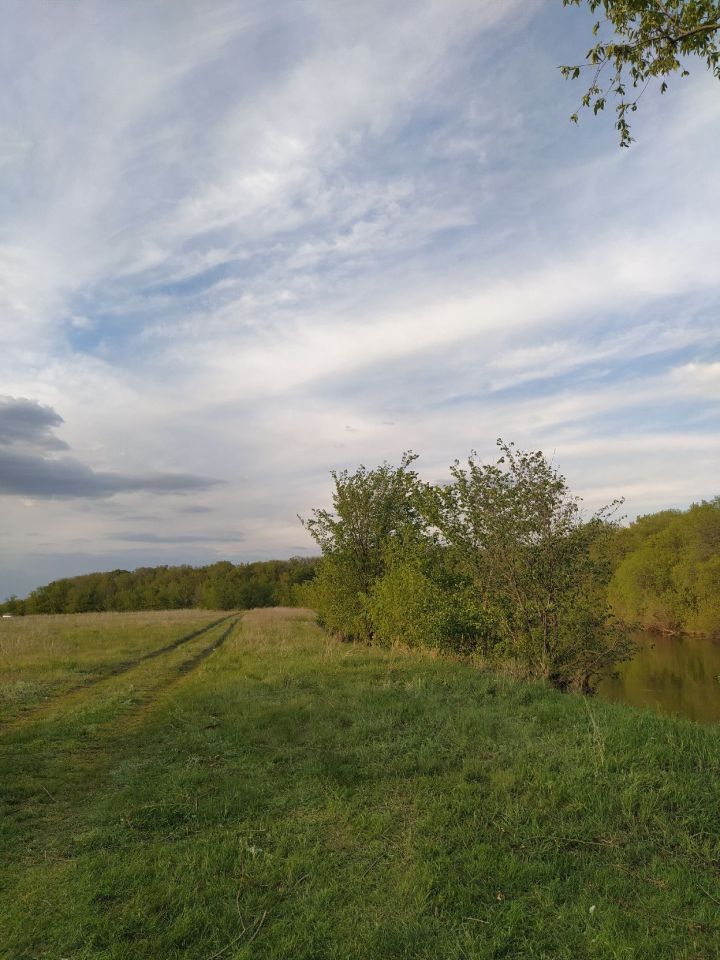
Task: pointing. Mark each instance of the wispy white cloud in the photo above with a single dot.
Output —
(255, 242)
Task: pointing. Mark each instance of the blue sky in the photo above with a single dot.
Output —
(242, 244)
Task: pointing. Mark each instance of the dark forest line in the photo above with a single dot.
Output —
(219, 586)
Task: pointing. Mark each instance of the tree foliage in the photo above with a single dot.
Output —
(667, 574)
(639, 42)
(498, 560)
(370, 509)
(519, 533)
(220, 586)
(425, 599)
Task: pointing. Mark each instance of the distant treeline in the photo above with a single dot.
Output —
(667, 570)
(221, 586)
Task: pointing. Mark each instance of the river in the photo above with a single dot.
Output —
(675, 675)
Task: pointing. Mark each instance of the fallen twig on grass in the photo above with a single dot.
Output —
(255, 929)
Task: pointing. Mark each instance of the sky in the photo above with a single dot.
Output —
(243, 244)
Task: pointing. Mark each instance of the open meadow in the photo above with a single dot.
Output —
(209, 785)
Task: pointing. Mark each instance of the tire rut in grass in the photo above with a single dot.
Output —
(73, 772)
(183, 669)
(116, 671)
(129, 664)
(195, 661)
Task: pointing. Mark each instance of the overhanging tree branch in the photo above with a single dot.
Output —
(650, 37)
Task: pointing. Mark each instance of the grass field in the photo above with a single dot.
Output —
(260, 790)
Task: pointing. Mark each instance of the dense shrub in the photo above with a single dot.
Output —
(498, 559)
(371, 510)
(410, 606)
(337, 594)
(520, 535)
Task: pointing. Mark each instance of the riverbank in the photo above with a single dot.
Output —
(677, 675)
(282, 794)
(655, 629)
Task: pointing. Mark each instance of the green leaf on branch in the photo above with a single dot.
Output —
(648, 40)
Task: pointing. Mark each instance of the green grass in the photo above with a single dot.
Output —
(42, 656)
(288, 796)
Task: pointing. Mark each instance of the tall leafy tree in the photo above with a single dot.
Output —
(519, 534)
(369, 509)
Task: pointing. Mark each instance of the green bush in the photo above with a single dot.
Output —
(499, 559)
(535, 563)
(372, 509)
(408, 606)
(337, 596)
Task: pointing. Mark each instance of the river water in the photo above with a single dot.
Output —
(675, 675)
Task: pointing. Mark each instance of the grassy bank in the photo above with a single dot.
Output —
(283, 795)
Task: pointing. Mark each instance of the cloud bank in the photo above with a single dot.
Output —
(27, 424)
(259, 242)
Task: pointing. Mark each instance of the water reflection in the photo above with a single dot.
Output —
(676, 675)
